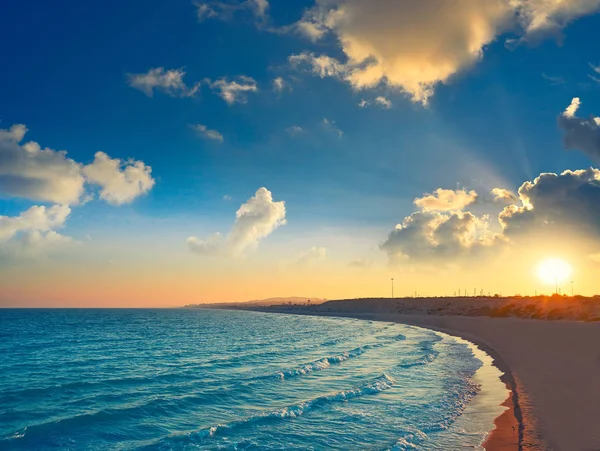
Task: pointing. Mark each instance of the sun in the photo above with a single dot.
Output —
(554, 270)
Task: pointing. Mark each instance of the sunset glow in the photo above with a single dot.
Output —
(554, 270)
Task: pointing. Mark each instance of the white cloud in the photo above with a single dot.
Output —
(279, 85)
(379, 101)
(416, 45)
(540, 18)
(211, 246)
(234, 91)
(120, 182)
(226, 197)
(321, 66)
(167, 81)
(226, 11)
(207, 133)
(582, 134)
(37, 218)
(330, 126)
(33, 230)
(255, 220)
(32, 172)
(310, 257)
(382, 101)
(446, 200)
(294, 130)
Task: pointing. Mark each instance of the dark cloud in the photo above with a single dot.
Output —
(580, 133)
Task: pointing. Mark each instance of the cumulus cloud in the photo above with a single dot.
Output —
(42, 174)
(207, 133)
(407, 44)
(29, 171)
(234, 91)
(415, 45)
(167, 81)
(580, 133)
(310, 257)
(446, 200)
(429, 234)
(556, 202)
(552, 205)
(33, 230)
(120, 182)
(255, 220)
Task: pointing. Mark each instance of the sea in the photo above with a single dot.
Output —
(195, 379)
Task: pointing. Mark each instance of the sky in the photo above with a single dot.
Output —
(157, 154)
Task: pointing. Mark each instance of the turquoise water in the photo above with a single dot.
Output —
(218, 380)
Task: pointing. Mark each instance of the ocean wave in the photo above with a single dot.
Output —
(371, 387)
(409, 441)
(320, 364)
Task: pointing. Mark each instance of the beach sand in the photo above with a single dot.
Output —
(552, 368)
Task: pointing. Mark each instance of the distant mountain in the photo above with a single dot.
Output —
(298, 300)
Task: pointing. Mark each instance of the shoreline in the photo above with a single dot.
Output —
(501, 437)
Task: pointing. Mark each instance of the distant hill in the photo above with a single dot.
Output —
(294, 300)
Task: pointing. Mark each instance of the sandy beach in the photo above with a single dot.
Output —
(551, 367)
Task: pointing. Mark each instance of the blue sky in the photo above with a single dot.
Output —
(492, 123)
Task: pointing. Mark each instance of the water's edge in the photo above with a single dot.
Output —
(506, 378)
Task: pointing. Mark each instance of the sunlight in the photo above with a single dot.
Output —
(554, 271)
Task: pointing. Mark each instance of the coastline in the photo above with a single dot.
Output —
(525, 435)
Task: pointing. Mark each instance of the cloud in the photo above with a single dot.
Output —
(540, 18)
(362, 263)
(294, 130)
(310, 257)
(234, 91)
(279, 85)
(169, 82)
(556, 202)
(330, 126)
(581, 134)
(226, 11)
(416, 45)
(211, 246)
(554, 80)
(37, 218)
(120, 182)
(322, 66)
(205, 132)
(428, 235)
(407, 44)
(379, 101)
(255, 220)
(553, 208)
(446, 200)
(33, 231)
(226, 197)
(42, 174)
(504, 195)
